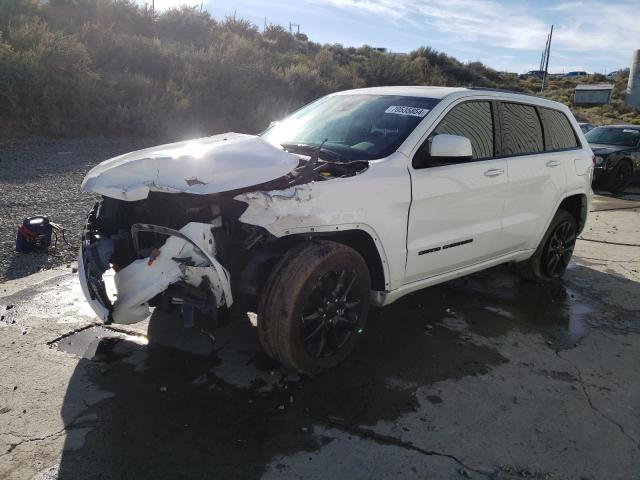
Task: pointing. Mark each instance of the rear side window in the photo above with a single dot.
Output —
(473, 120)
(521, 129)
(558, 132)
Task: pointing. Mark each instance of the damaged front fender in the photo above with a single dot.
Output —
(188, 256)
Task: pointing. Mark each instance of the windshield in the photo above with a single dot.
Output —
(352, 127)
(624, 137)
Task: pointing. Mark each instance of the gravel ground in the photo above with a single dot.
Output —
(43, 176)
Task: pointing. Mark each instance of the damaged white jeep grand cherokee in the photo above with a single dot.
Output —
(359, 198)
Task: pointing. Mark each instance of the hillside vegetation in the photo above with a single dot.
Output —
(562, 90)
(110, 67)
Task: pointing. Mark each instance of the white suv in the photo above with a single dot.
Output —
(356, 199)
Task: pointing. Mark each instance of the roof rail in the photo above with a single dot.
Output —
(502, 90)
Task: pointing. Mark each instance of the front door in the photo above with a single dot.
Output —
(455, 219)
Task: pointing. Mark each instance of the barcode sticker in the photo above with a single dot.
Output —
(413, 111)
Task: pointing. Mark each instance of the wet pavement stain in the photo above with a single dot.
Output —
(98, 343)
(170, 405)
(173, 411)
(494, 302)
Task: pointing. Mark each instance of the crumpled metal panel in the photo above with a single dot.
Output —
(208, 165)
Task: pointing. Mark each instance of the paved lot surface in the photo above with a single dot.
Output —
(482, 377)
(43, 177)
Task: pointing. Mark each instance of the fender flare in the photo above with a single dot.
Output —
(557, 207)
(344, 227)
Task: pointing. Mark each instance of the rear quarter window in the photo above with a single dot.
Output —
(521, 129)
(558, 132)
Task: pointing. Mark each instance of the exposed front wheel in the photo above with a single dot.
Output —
(314, 306)
(553, 255)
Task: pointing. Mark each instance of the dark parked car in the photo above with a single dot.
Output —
(586, 127)
(532, 73)
(617, 155)
(577, 74)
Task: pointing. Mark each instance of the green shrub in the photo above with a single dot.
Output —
(83, 67)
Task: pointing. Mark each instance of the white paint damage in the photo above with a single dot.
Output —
(315, 206)
(208, 165)
(270, 208)
(145, 278)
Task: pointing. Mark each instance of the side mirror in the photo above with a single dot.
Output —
(450, 149)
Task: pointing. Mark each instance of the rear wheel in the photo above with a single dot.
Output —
(314, 306)
(553, 255)
(620, 176)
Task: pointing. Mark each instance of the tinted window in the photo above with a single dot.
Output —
(623, 137)
(521, 130)
(474, 121)
(558, 132)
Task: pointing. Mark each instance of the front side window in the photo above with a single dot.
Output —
(352, 127)
(521, 130)
(623, 137)
(473, 120)
(558, 132)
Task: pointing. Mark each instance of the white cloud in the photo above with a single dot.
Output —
(593, 26)
(486, 21)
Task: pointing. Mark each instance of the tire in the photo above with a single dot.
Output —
(619, 178)
(314, 306)
(558, 242)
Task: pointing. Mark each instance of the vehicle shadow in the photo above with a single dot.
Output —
(630, 192)
(157, 411)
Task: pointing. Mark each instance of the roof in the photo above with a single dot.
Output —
(595, 86)
(408, 91)
(442, 92)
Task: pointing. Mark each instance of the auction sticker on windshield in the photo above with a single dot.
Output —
(413, 111)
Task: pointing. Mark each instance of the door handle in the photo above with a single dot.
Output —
(553, 163)
(493, 172)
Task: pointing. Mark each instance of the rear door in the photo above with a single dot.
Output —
(539, 144)
(456, 208)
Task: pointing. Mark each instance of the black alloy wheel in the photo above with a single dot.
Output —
(314, 306)
(559, 249)
(331, 313)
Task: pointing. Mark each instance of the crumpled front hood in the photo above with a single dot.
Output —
(602, 150)
(207, 165)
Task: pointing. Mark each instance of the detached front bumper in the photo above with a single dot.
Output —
(186, 259)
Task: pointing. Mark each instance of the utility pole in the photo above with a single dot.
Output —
(546, 62)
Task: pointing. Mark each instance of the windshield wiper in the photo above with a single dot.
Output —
(314, 149)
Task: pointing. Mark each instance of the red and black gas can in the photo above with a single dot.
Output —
(34, 235)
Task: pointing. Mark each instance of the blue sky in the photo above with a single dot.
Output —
(592, 35)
